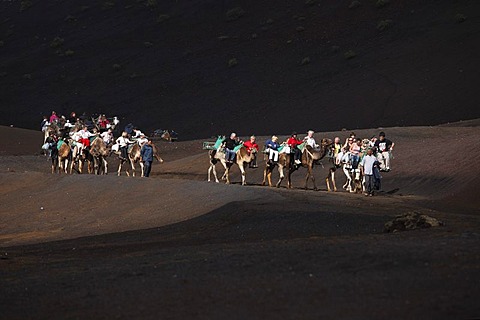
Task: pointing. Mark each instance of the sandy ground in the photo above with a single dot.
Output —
(176, 246)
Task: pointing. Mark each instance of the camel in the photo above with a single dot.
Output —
(354, 182)
(309, 158)
(241, 158)
(267, 172)
(99, 151)
(51, 128)
(331, 175)
(134, 157)
(215, 157)
(218, 155)
(64, 155)
(78, 156)
(168, 136)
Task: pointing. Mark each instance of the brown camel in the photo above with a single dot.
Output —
(242, 157)
(64, 155)
(134, 157)
(309, 158)
(99, 151)
(269, 166)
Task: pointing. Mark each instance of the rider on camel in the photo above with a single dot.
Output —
(272, 147)
(123, 143)
(310, 140)
(230, 144)
(251, 145)
(293, 143)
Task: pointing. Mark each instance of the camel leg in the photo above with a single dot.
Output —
(312, 176)
(242, 170)
(214, 169)
(224, 164)
(210, 170)
(265, 176)
(227, 175)
(132, 163)
(333, 181)
(141, 168)
(96, 165)
(105, 165)
(119, 171)
(289, 179)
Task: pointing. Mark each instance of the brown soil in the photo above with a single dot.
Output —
(175, 246)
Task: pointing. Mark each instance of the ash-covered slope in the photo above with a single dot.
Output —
(270, 66)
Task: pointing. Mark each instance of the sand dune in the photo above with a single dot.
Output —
(175, 246)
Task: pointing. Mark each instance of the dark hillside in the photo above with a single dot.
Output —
(277, 66)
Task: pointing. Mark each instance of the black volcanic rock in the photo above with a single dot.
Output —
(421, 70)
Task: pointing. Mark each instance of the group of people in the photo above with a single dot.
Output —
(76, 129)
(372, 155)
(100, 122)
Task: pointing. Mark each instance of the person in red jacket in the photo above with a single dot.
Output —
(252, 145)
(293, 143)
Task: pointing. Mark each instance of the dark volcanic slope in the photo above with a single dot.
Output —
(116, 57)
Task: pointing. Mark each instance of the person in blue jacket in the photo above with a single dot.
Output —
(147, 157)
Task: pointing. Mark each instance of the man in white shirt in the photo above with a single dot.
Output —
(142, 140)
(367, 164)
(107, 136)
(310, 140)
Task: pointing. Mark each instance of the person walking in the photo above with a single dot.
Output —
(366, 166)
(384, 148)
(147, 157)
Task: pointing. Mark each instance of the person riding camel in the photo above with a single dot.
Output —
(137, 133)
(85, 136)
(229, 144)
(53, 117)
(252, 145)
(44, 123)
(103, 123)
(51, 145)
(271, 146)
(384, 147)
(337, 151)
(293, 143)
(310, 140)
(123, 141)
(142, 140)
(107, 136)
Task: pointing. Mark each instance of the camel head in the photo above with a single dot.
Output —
(365, 143)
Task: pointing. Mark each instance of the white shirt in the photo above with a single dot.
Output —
(85, 134)
(142, 141)
(138, 133)
(367, 164)
(75, 136)
(123, 142)
(311, 142)
(107, 137)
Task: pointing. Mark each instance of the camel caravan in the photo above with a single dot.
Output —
(361, 160)
(73, 147)
(84, 146)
